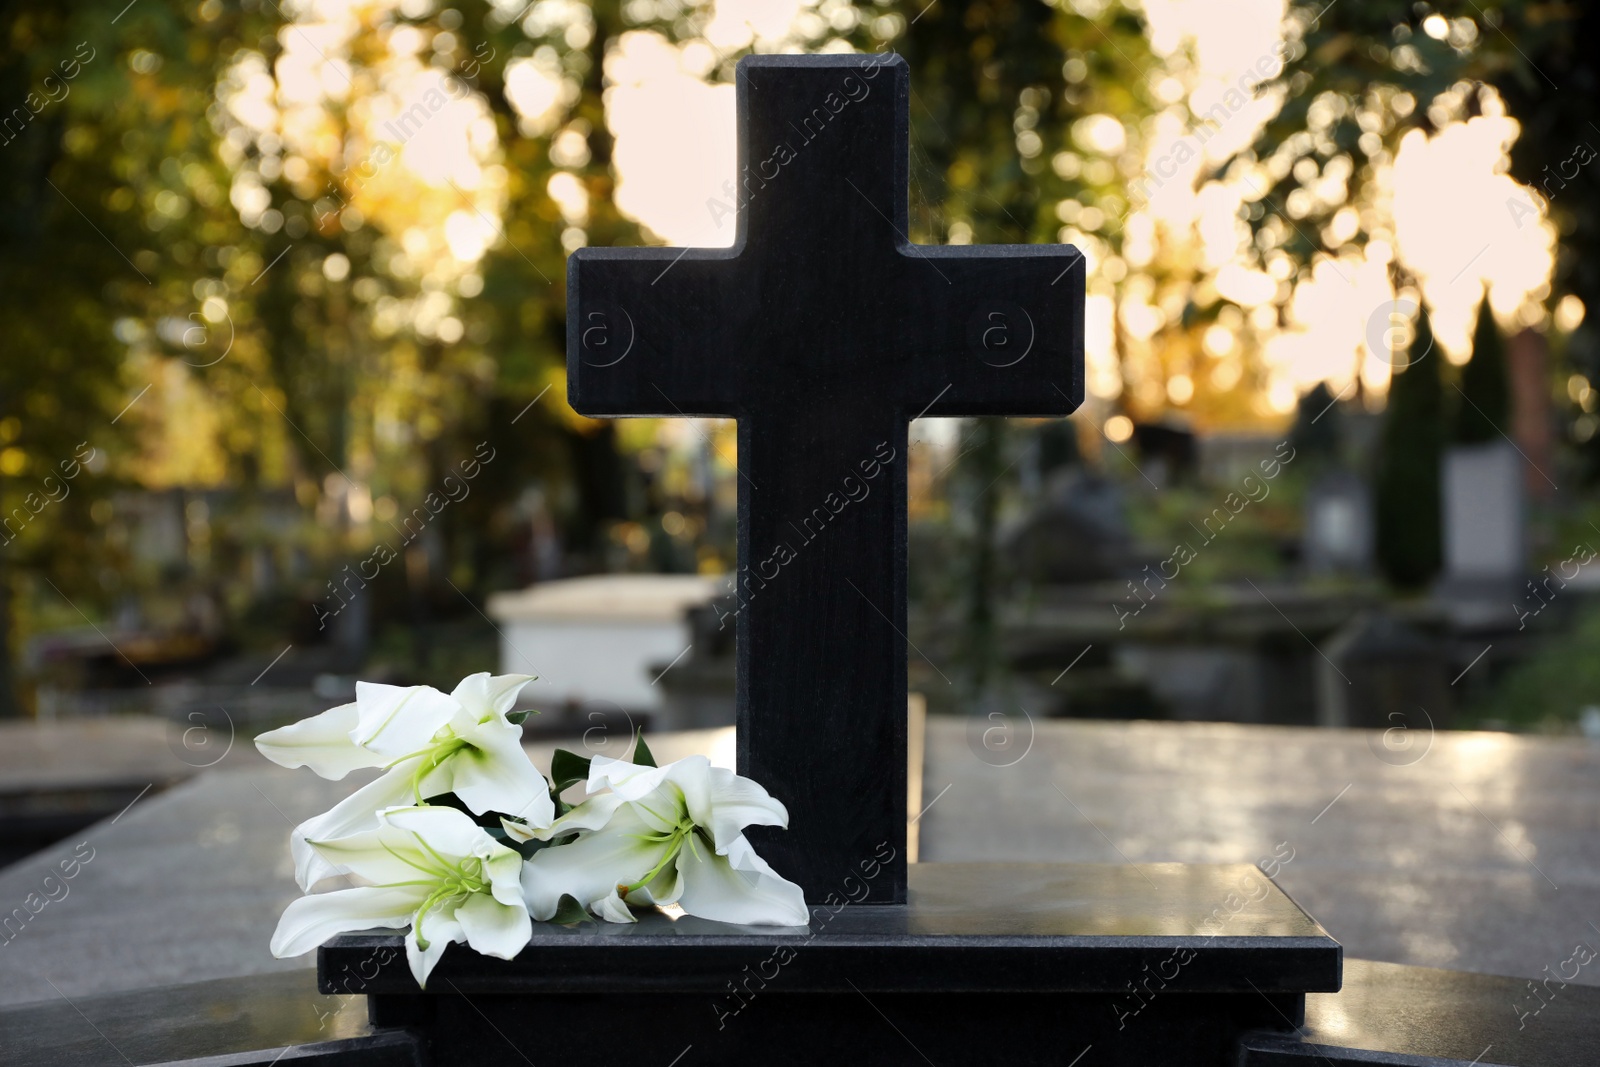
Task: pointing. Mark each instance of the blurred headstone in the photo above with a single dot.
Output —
(598, 640)
(1484, 542)
(1338, 532)
(1379, 673)
(1228, 458)
(1078, 533)
(698, 690)
(1167, 451)
(155, 520)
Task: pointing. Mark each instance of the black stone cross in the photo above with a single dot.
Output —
(824, 331)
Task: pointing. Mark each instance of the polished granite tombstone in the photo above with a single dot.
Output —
(1161, 963)
(824, 331)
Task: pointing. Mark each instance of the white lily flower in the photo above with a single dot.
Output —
(429, 743)
(667, 835)
(432, 869)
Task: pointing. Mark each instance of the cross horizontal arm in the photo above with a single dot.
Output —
(650, 332)
(997, 330)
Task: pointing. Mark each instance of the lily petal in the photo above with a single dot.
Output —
(734, 803)
(592, 814)
(613, 909)
(309, 921)
(665, 888)
(493, 928)
(395, 721)
(738, 888)
(504, 869)
(442, 931)
(354, 814)
(405, 842)
(366, 856)
(321, 742)
(629, 780)
(447, 831)
(590, 868)
(494, 774)
(518, 830)
(490, 697)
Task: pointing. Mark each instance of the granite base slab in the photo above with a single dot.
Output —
(1032, 963)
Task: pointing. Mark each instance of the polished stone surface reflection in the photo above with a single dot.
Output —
(1441, 850)
(1415, 862)
(235, 1015)
(185, 884)
(1449, 1016)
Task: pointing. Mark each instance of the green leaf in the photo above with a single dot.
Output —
(567, 768)
(517, 718)
(641, 753)
(569, 911)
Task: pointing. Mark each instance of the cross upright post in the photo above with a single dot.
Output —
(824, 331)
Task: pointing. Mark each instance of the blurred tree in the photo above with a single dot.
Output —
(217, 228)
(998, 89)
(1314, 435)
(1407, 479)
(104, 224)
(1552, 86)
(1359, 78)
(562, 196)
(1550, 691)
(1369, 75)
(56, 390)
(1483, 410)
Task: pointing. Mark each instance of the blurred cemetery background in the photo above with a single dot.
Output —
(283, 396)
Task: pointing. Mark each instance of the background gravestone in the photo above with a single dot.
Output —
(1483, 514)
(1338, 532)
